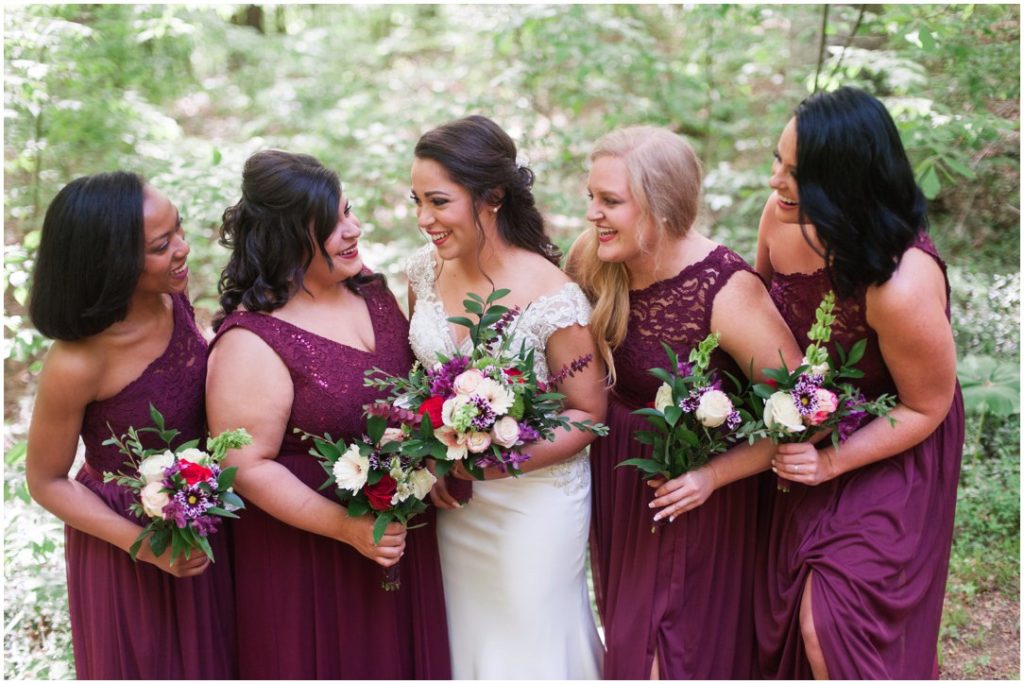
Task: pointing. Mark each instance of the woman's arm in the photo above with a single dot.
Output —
(908, 313)
(68, 382)
(586, 398)
(754, 334)
(248, 386)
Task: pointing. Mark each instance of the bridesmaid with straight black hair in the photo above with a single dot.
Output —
(110, 286)
(858, 550)
(302, 320)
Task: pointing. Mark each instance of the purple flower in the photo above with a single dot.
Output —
(684, 369)
(506, 319)
(528, 433)
(441, 378)
(206, 525)
(805, 394)
(577, 365)
(733, 421)
(852, 416)
(485, 416)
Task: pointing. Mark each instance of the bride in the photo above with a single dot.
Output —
(513, 558)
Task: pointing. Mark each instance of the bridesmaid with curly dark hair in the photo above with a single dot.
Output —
(302, 320)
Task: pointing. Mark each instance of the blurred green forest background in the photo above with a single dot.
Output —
(183, 94)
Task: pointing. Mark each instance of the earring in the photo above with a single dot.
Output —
(494, 210)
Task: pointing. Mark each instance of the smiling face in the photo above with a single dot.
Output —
(342, 247)
(445, 211)
(165, 250)
(783, 180)
(624, 234)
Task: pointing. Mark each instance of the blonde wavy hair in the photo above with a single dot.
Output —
(664, 177)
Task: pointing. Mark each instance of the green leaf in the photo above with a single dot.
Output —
(929, 183)
(856, 352)
(358, 508)
(16, 453)
(498, 294)
(375, 426)
(232, 499)
(672, 414)
(461, 320)
(647, 465)
(381, 524)
(990, 385)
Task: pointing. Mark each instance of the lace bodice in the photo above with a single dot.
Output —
(430, 332)
(797, 296)
(676, 311)
(175, 383)
(327, 376)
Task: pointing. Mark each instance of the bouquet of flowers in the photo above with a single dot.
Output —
(693, 418)
(183, 493)
(799, 404)
(372, 475)
(484, 408)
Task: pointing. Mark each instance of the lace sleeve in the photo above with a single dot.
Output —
(420, 269)
(568, 306)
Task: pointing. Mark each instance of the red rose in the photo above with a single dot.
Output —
(432, 407)
(380, 494)
(194, 473)
(771, 383)
(514, 375)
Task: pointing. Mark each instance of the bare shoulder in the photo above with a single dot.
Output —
(74, 370)
(241, 346)
(916, 286)
(541, 276)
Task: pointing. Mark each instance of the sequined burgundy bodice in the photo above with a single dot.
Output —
(797, 296)
(677, 311)
(327, 376)
(175, 383)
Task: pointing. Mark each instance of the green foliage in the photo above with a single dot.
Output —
(990, 385)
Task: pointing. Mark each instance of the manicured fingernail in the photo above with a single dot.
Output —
(672, 519)
(774, 470)
(650, 505)
(657, 517)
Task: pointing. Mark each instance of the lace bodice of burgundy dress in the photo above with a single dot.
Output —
(677, 311)
(797, 295)
(327, 376)
(175, 383)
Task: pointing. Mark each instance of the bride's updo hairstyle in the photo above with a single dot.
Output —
(288, 209)
(856, 186)
(664, 177)
(479, 156)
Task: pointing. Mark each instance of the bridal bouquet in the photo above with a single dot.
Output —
(799, 404)
(372, 475)
(182, 493)
(484, 408)
(693, 418)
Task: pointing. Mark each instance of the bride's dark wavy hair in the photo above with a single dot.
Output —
(481, 157)
(288, 209)
(856, 187)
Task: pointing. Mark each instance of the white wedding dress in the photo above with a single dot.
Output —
(513, 559)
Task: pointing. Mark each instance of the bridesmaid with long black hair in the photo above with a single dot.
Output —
(859, 548)
(302, 320)
(110, 286)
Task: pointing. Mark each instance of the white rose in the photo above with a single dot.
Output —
(663, 399)
(154, 498)
(152, 469)
(450, 406)
(422, 481)
(478, 442)
(467, 381)
(455, 442)
(392, 434)
(350, 471)
(820, 370)
(779, 409)
(498, 397)
(195, 456)
(713, 408)
(506, 432)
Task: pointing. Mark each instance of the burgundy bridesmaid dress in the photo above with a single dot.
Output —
(685, 590)
(877, 538)
(310, 607)
(131, 620)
